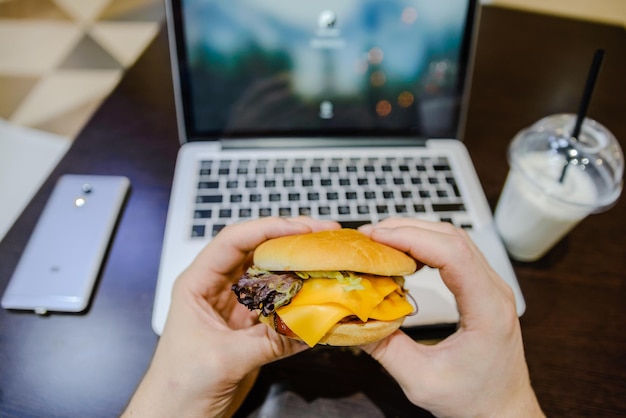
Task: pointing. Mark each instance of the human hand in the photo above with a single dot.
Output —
(212, 346)
(480, 370)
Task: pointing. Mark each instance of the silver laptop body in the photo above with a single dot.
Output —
(348, 111)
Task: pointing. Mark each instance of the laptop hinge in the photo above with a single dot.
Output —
(317, 142)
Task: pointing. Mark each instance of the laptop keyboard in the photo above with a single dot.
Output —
(352, 191)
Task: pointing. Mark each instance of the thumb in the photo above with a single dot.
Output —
(262, 345)
(406, 360)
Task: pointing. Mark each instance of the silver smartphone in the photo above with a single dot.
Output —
(62, 259)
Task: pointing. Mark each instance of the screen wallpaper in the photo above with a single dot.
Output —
(302, 65)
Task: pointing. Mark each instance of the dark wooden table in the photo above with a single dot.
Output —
(527, 66)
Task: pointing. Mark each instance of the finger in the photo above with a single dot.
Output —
(229, 253)
(399, 222)
(447, 229)
(231, 247)
(444, 247)
(403, 358)
(315, 224)
(261, 345)
(443, 227)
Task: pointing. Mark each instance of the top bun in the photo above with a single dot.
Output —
(334, 250)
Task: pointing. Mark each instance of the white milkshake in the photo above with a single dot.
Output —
(555, 181)
(532, 220)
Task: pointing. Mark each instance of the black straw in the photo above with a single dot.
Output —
(584, 103)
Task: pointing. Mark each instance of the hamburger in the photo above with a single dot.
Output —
(336, 287)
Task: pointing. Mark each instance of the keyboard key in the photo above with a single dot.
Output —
(208, 185)
(448, 207)
(324, 210)
(209, 199)
(343, 210)
(198, 231)
(202, 214)
(217, 228)
(363, 210)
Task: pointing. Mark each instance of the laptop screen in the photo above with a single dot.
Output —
(298, 67)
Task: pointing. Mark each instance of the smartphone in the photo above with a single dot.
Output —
(62, 259)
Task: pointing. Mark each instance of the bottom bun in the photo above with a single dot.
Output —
(351, 333)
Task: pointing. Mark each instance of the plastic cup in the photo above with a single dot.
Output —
(555, 181)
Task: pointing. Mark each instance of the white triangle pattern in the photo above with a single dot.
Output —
(62, 91)
(124, 40)
(84, 11)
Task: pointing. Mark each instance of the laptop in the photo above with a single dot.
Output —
(350, 111)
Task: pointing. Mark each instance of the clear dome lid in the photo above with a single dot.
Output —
(585, 171)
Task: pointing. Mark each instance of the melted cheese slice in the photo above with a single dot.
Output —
(312, 322)
(321, 303)
(393, 307)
